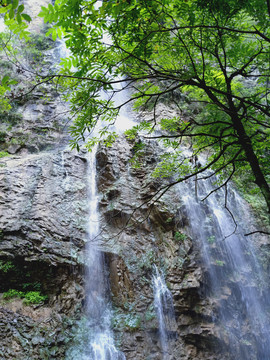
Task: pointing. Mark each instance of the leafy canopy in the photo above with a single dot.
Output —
(209, 58)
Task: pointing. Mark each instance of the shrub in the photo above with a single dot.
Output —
(34, 297)
(29, 297)
(12, 293)
(129, 322)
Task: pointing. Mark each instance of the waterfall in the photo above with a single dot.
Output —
(97, 287)
(165, 311)
(95, 338)
(236, 282)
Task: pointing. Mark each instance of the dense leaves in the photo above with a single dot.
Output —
(210, 58)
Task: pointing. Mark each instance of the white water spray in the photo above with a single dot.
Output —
(237, 282)
(165, 311)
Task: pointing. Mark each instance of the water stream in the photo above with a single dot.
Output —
(163, 302)
(94, 336)
(236, 283)
(98, 308)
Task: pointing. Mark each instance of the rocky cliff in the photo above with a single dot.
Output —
(43, 232)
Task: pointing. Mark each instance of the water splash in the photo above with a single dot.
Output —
(163, 302)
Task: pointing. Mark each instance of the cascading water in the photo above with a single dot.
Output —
(235, 278)
(95, 332)
(165, 311)
(98, 309)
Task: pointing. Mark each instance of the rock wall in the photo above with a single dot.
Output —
(43, 222)
(140, 234)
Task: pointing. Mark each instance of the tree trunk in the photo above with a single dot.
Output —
(252, 158)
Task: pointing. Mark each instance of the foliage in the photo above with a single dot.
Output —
(12, 293)
(197, 52)
(15, 17)
(129, 322)
(34, 297)
(6, 266)
(251, 193)
(180, 237)
(147, 260)
(150, 314)
(16, 20)
(29, 297)
(219, 263)
(211, 239)
(4, 154)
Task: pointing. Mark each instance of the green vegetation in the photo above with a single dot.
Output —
(11, 117)
(129, 322)
(150, 314)
(208, 58)
(251, 193)
(219, 263)
(34, 297)
(6, 266)
(16, 20)
(12, 293)
(3, 135)
(179, 237)
(4, 154)
(147, 260)
(211, 239)
(29, 297)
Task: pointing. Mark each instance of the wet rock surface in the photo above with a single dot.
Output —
(43, 221)
(141, 234)
(44, 213)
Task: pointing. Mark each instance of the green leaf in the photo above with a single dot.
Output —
(5, 80)
(19, 18)
(11, 14)
(50, 7)
(20, 8)
(15, 4)
(27, 17)
(44, 12)
(3, 10)
(54, 34)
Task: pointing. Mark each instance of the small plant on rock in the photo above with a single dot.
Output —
(34, 297)
(29, 297)
(12, 293)
(3, 154)
(220, 263)
(6, 266)
(180, 237)
(211, 239)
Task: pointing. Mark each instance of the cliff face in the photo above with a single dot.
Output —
(44, 213)
(43, 197)
(43, 231)
(44, 217)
